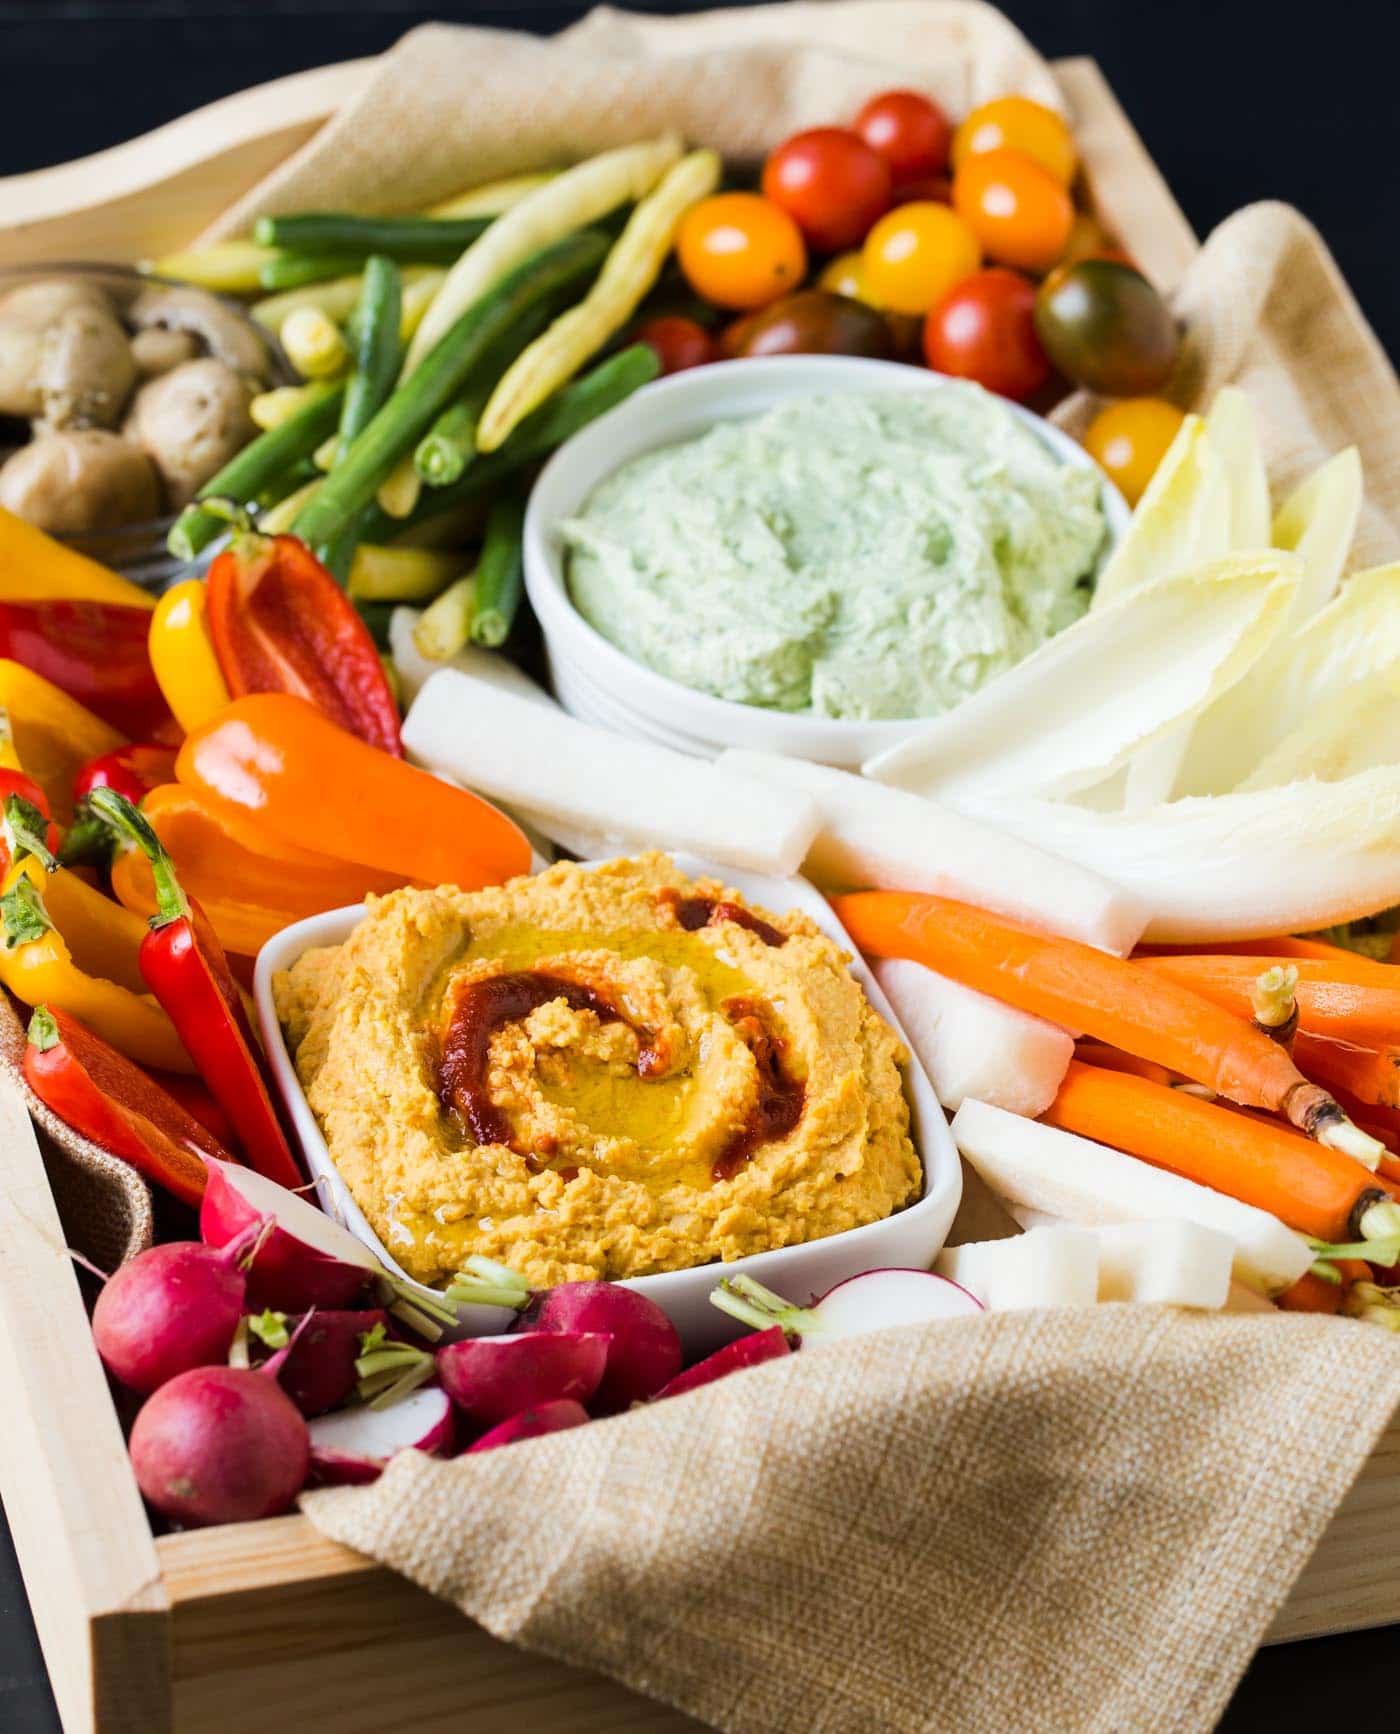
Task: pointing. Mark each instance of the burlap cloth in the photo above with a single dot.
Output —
(1060, 1521)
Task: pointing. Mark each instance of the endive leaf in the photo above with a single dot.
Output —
(1234, 438)
(1353, 729)
(1069, 715)
(1292, 859)
(1317, 522)
(1355, 636)
(1181, 521)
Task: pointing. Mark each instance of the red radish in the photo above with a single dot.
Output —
(645, 1352)
(872, 1301)
(769, 1345)
(308, 1260)
(174, 1307)
(492, 1378)
(221, 1445)
(319, 1372)
(555, 1417)
(354, 1446)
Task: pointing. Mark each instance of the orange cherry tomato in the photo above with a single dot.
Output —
(1019, 212)
(739, 250)
(984, 330)
(1129, 440)
(1016, 123)
(830, 183)
(915, 254)
(911, 133)
(1088, 239)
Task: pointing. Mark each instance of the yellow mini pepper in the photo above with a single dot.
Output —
(102, 937)
(53, 734)
(36, 568)
(182, 655)
(38, 969)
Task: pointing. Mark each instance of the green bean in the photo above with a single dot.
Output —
(378, 347)
(442, 376)
(412, 240)
(292, 270)
(500, 572)
(258, 466)
(450, 444)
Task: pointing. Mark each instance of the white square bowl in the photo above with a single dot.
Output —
(910, 1238)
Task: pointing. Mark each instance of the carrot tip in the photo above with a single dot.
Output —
(1380, 1221)
(1341, 1135)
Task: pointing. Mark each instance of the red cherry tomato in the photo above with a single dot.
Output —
(911, 133)
(932, 189)
(984, 330)
(679, 343)
(830, 183)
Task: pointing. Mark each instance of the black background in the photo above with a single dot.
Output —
(1236, 100)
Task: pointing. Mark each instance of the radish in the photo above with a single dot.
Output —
(492, 1378)
(354, 1446)
(556, 1417)
(320, 1370)
(645, 1352)
(221, 1445)
(174, 1307)
(872, 1301)
(308, 1260)
(769, 1345)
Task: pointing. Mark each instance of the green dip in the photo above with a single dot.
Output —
(863, 556)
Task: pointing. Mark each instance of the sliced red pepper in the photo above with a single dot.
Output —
(15, 786)
(195, 1099)
(281, 623)
(132, 771)
(185, 968)
(100, 1093)
(95, 652)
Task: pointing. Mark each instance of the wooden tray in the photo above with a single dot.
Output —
(267, 1626)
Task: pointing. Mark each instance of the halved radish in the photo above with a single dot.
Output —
(554, 1417)
(645, 1352)
(492, 1378)
(319, 1372)
(769, 1345)
(872, 1301)
(353, 1445)
(308, 1260)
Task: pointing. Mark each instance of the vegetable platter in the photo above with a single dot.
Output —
(163, 1632)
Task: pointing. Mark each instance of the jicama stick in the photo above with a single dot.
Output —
(973, 1045)
(1334, 999)
(1317, 1191)
(1120, 1003)
(1029, 1163)
(875, 836)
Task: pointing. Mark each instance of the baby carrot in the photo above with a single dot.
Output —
(1334, 999)
(1372, 1075)
(1115, 1060)
(1287, 950)
(1317, 1191)
(1121, 1003)
(1311, 1294)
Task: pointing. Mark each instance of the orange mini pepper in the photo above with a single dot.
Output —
(309, 782)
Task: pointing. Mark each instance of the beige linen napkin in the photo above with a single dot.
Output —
(1069, 1521)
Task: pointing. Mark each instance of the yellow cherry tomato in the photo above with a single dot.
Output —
(1129, 440)
(845, 275)
(1019, 212)
(739, 250)
(1017, 123)
(915, 254)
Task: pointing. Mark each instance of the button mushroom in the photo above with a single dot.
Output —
(26, 312)
(89, 479)
(86, 372)
(227, 337)
(156, 350)
(191, 421)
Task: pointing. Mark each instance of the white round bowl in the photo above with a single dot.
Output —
(601, 684)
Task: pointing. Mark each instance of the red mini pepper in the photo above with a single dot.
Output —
(100, 1093)
(132, 771)
(95, 652)
(185, 968)
(281, 623)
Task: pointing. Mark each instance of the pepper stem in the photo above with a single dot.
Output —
(26, 832)
(43, 1030)
(22, 914)
(135, 828)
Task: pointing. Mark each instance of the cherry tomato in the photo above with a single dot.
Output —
(830, 183)
(812, 322)
(679, 343)
(845, 275)
(1130, 439)
(1088, 239)
(1016, 123)
(935, 188)
(984, 330)
(1105, 327)
(915, 254)
(739, 250)
(911, 133)
(1018, 210)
